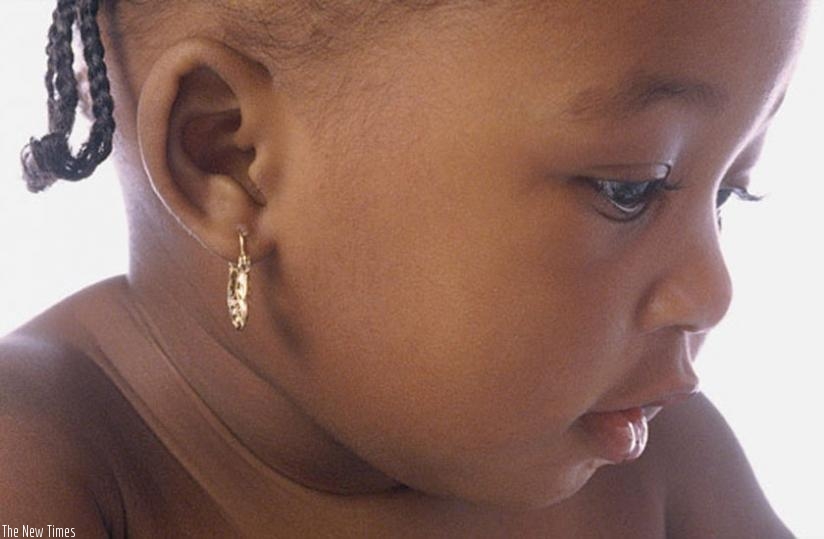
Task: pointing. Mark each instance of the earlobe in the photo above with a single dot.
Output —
(206, 129)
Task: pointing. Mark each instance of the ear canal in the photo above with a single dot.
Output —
(215, 156)
(208, 134)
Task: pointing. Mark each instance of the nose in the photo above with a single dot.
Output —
(692, 289)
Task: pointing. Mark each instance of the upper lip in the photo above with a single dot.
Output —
(656, 402)
(677, 385)
(671, 399)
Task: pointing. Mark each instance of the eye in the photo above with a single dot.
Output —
(740, 192)
(724, 193)
(628, 199)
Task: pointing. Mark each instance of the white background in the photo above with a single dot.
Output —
(763, 367)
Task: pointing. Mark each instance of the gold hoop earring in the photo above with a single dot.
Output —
(238, 289)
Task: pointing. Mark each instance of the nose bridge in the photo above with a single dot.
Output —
(693, 289)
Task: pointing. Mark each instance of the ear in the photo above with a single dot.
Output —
(207, 124)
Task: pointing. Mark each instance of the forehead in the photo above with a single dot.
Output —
(519, 71)
(591, 61)
(633, 52)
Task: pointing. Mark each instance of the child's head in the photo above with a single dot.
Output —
(472, 223)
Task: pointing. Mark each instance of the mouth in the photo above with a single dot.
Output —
(622, 435)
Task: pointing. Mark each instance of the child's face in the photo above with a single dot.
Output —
(462, 293)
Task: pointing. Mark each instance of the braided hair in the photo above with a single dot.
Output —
(50, 158)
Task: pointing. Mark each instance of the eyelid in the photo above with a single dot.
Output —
(628, 173)
(739, 180)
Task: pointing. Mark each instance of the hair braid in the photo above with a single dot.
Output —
(60, 72)
(99, 144)
(50, 158)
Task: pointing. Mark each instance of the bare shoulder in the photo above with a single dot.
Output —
(51, 471)
(711, 490)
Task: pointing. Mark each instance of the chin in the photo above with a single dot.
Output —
(536, 492)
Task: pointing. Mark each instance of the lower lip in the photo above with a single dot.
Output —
(621, 436)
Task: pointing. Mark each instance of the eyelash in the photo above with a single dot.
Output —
(647, 191)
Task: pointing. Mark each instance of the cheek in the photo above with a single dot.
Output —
(445, 318)
(450, 330)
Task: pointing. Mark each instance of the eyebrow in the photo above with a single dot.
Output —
(640, 91)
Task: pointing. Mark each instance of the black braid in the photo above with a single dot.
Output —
(50, 158)
(60, 72)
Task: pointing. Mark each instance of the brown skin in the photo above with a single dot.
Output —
(439, 296)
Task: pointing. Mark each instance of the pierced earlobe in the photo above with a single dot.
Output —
(238, 288)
